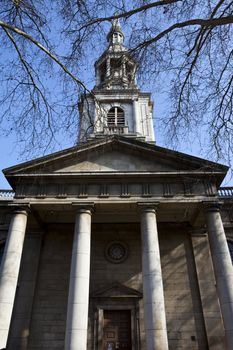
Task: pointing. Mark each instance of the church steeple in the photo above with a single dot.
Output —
(117, 106)
(116, 68)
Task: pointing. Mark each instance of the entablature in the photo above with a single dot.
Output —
(114, 185)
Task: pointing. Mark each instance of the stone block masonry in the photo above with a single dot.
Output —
(50, 302)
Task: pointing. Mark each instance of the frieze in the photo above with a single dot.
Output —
(41, 193)
(62, 191)
(114, 189)
(83, 192)
(104, 190)
(146, 191)
(210, 188)
(125, 190)
(20, 191)
(167, 190)
(188, 189)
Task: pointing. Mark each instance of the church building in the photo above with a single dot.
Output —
(116, 243)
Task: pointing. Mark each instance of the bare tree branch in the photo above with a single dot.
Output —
(207, 23)
(130, 13)
(46, 51)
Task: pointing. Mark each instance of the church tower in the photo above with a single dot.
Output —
(117, 106)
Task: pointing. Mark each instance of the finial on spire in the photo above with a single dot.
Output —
(116, 35)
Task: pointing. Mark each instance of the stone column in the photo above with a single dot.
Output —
(222, 268)
(19, 334)
(10, 271)
(153, 296)
(78, 300)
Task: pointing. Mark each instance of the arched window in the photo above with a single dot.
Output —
(116, 117)
(2, 246)
(230, 246)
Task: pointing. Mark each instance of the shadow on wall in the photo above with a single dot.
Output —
(183, 302)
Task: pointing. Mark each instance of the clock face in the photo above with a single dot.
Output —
(116, 252)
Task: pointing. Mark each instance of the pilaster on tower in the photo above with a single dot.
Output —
(119, 107)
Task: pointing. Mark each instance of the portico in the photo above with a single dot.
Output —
(153, 306)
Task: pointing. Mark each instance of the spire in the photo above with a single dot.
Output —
(116, 35)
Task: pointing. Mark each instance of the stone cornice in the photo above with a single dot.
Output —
(162, 174)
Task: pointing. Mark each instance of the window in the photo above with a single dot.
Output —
(230, 246)
(116, 117)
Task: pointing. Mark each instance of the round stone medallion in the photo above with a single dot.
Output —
(116, 252)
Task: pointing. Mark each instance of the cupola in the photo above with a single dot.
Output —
(116, 68)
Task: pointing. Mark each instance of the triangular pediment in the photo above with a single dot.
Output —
(117, 290)
(116, 154)
(116, 160)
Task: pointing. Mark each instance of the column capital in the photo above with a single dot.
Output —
(21, 208)
(211, 206)
(23, 211)
(84, 207)
(148, 206)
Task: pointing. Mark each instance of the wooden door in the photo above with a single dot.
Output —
(117, 330)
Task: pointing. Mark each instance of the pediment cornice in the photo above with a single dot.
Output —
(116, 290)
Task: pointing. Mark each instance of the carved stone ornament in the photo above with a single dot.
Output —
(116, 252)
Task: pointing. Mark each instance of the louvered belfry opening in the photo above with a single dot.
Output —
(116, 117)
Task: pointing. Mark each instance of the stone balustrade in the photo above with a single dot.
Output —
(224, 192)
(115, 129)
(6, 194)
